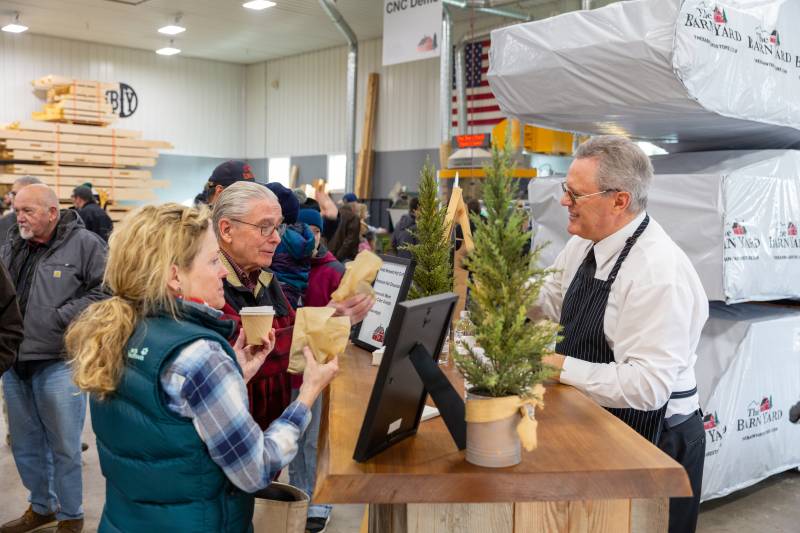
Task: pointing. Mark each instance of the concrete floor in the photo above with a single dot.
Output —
(771, 506)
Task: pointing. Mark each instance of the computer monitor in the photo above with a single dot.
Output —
(417, 331)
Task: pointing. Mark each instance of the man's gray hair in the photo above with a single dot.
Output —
(24, 181)
(235, 200)
(623, 166)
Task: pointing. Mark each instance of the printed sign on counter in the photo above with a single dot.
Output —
(391, 286)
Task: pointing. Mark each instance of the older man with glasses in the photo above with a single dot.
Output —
(631, 307)
(248, 223)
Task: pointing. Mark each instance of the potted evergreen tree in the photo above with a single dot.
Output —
(433, 273)
(503, 367)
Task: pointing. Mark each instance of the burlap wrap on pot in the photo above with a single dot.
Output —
(492, 409)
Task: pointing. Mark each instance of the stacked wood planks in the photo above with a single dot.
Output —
(76, 101)
(66, 148)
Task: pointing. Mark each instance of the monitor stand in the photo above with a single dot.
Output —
(447, 400)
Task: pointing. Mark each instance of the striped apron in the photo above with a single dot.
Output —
(582, 317)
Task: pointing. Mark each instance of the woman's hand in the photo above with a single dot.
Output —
(316, 377)
(251, 357)
(356, 307)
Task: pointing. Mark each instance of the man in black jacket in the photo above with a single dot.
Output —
(94, 217)
(344, 243)
(403, 233)
(56, 266)
(10, 322)
(10, 329)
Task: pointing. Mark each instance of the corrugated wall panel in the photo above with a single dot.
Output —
(197, 105)
(408, 103)
(305, 114)
(256, 116)
(305, 100)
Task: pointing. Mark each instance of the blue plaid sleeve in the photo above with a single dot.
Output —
(202, 384)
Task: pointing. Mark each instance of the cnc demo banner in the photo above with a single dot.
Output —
(411, 30)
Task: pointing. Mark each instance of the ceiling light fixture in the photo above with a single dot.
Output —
(168, 50)
(15, 27)
(173, 29)
(258, 5)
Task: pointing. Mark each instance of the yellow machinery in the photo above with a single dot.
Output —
(476, 148)
(535, 140)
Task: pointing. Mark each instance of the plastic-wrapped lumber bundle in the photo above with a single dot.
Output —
(698, 74)
(748, 379)
(736, 214)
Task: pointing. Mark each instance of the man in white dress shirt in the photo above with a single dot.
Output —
(631, 306)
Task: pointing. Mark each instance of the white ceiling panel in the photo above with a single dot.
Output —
(223, 30)
(216, 29)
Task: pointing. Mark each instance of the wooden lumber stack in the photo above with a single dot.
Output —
(64, 156)
(74, 101)
(366, 157)
(65, 148)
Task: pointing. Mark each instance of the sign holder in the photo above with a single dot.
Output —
(391, 287)
(457, 213)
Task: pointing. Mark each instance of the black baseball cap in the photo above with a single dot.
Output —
(230, 172)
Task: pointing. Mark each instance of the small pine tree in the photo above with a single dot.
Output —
(433, 273)
(505, 284)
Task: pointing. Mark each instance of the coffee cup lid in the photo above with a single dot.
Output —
(260, 310)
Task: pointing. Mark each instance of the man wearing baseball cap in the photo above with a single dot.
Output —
(224, 175)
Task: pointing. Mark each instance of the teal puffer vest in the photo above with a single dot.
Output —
(159, 474)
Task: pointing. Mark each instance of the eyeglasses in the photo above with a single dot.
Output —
(575, 197)
(268, 230)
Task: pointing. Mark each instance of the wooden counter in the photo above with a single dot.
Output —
(590, 471)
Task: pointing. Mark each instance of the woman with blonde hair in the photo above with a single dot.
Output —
(177, 445)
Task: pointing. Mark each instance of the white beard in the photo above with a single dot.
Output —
(25, 234)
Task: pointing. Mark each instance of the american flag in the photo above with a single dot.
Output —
(483, 113)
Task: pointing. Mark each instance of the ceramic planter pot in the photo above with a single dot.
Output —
(493, 444)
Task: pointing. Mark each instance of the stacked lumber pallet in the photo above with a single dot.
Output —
(76, 101)
(66, 148)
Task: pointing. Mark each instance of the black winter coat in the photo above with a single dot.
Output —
(10, 322)
(344, 244)
(402, 235)
(96, 220)
(7, 222)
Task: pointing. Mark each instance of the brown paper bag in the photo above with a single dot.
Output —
(317, 328)
(358, 276)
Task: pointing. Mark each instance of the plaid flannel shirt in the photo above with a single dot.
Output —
(203, 384)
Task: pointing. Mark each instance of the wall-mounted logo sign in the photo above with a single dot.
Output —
(123, 101)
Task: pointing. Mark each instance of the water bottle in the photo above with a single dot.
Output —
(460, 332)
